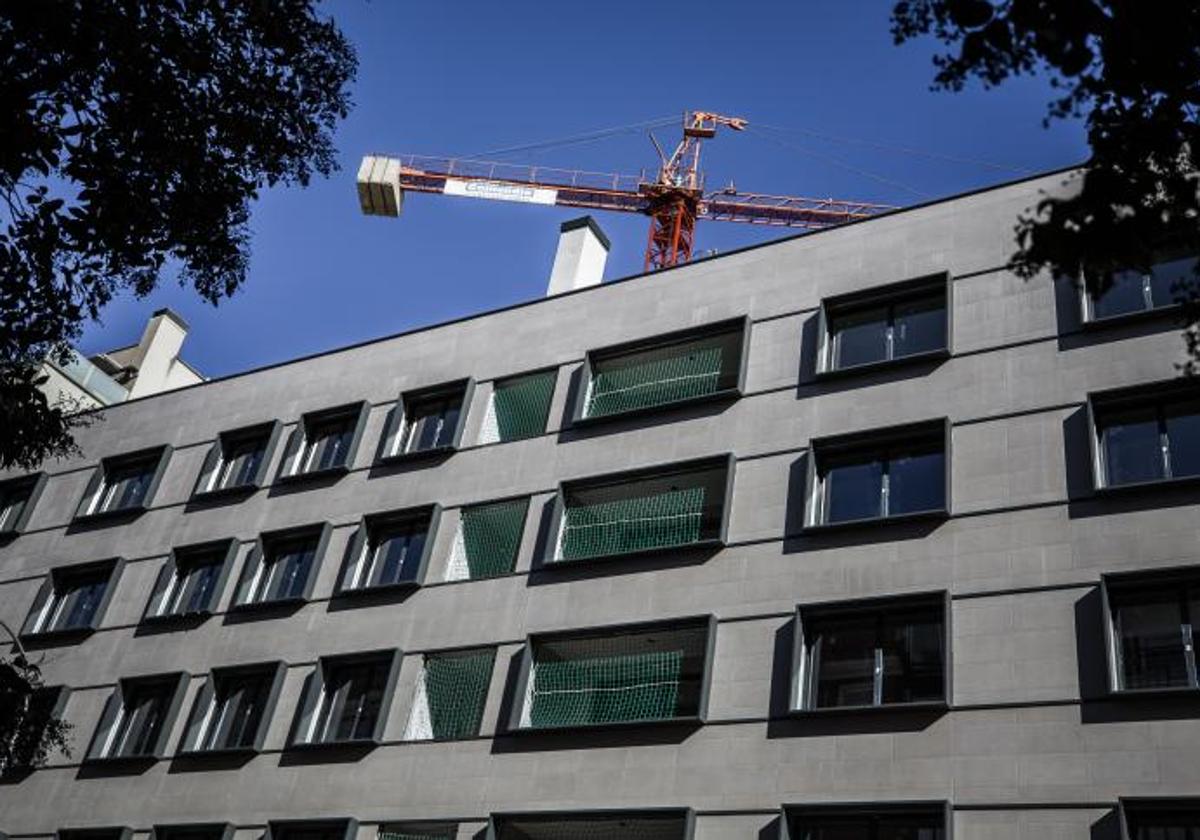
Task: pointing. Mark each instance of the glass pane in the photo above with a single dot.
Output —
(1149, 627)
(431, 423)
(241, 462)
(1166, 277)
(1182, 824)
(853, 490)
(80, 600)
(919, 326)
(912, 658)
(917, 481)
(141, 721)
(333, 445)
(126, 486)
(290, 565)
(247, 697)
(835, 828)
(201, 581)
(1183, 438)
(911, 828)
(1124, 295)
(1132, 447)
(859, 338)
(397, 553)
(12, 503)
(362, 687)
(845, 662)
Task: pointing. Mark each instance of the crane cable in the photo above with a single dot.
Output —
(587, 137)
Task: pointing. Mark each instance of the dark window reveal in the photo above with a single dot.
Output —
(1150, 440)
(884, 325)
(347, 699)
(239, 703)
(888, 823)
(1137, 291)
(1152, 632)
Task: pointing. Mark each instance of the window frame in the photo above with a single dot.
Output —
(361, 541)
(176, 683)
(800, 688)
(1152, 804)
(314, 693)
(1087, 302)
(165, 831)
(50, 584)
(170, 568)
(496, 819)
(890, 295)
(355, 412)
(256, 557)
(203, 705)
(276, 829)
(36, 483)
(932, 807)
(1114, 582)
(397, 421)
(269, 432)
(706, 622)
(867, 442)
(98, 483)
(1157, 395)
(727, 460)
(662, 340)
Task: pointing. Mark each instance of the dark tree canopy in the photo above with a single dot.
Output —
(135, 136)
(1131, 69)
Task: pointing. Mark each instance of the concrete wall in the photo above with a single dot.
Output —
(1029, 749)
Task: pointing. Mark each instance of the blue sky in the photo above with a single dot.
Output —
(439, 78)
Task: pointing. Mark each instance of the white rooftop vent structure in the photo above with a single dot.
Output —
(579, 261)
(379, 192)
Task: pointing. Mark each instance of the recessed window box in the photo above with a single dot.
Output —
(72, 600)
(237, 462)
(427, 422)
(451, 693)
(519, 407)
(233, 710)
(193, 831)
(418, 831)
(868, 821)
(1152, 620)
(336, 829)
(1134, 293)
(347, 700)
(642, 823)
(645, 511)
(18, 497)
(686, 367)
(884, 326)
(632, 674)
(191, 582)
(881, 475)
(282, 567)
(1159, 818)
(487, 539)
(389, 551)
(108, 833)
(137, 719)
(324, 442)
(124, 484)
(875, 654)
(1148, 435)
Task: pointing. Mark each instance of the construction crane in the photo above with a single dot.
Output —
(674, 199)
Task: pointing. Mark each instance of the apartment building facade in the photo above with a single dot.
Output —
(850, 535)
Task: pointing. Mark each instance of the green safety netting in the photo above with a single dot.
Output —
(410, 834)
(456, 686)
(673, 517)
(491, 536)
(641, 686)
(673, 374)
(522, 405)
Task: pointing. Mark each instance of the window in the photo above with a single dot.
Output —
(1152, 618)
(879, 475)
(869, 654)
(905, 321)
(137, 719)
(73, 599)
(906, 821)
(347, 700)
(518, 408)
(124, 484)
(193, 831)
(341, 829)
(487, 540)
(233, 710)
(616, 675)
(1161, 819)
(238, 460)
(18, 497)
(1134, 291)
(696, 364)
(191, 581)
(33, 713)
(648, 824)
(324, 442)
(418, 831)
(1145, 435)
(427, 422)
(115, 833)
(645, 510)
(282, 567)
(390, 550)
(451, 692)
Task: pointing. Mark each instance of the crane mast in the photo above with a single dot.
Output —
(674, 197)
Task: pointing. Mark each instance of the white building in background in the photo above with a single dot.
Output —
(151, 366)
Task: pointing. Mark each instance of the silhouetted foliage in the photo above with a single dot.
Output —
(30, 731)
(135, 135)
(1132, 71)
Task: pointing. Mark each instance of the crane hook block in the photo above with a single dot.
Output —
(379, 192)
